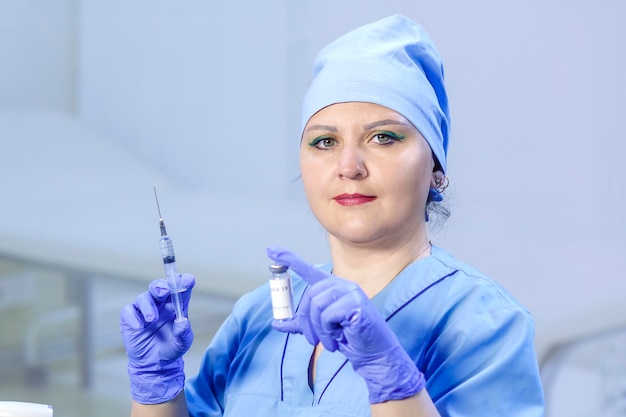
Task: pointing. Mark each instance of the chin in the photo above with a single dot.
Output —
(356, 237)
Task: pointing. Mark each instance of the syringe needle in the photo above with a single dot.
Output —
(161, 223)
(157, 201)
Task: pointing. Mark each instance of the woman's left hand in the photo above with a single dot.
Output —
(337, 313)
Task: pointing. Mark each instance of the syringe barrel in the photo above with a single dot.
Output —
(167, 250)
(169, 262)
(173, 277)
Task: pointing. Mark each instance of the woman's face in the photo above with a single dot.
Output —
(366, 172)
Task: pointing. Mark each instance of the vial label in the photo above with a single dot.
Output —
(282, 301)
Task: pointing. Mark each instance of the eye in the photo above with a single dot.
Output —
(386, 138)
(323, 142)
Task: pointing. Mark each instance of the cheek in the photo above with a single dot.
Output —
(411, 178)
(310, 173)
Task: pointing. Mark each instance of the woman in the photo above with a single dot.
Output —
(407, 329)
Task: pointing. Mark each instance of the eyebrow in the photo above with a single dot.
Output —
(322, 127)
(385, 122)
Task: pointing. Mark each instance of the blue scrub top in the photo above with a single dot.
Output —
(470, 338)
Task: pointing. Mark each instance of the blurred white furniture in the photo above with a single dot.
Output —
(24, 409)
(586, 376)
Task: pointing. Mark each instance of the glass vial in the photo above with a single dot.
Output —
(280, 289)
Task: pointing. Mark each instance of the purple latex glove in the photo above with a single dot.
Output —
(337, 313)
(155, 343)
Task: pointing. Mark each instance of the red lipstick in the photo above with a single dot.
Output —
(353, 199)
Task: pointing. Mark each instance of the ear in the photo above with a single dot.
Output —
(437, 178)
(438, 181)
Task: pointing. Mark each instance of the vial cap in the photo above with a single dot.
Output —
(278, 268)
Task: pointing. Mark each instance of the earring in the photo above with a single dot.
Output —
(441, 183)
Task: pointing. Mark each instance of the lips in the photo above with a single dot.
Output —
(353, 199)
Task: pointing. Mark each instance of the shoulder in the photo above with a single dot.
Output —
(469, 285)
(252, 311)
(459, 308)
(480, 340)
(441, 288)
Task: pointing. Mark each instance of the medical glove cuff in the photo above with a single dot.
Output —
(390, 376)
(156, 384)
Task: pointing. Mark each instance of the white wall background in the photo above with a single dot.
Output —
(38, 55)
(207, 95)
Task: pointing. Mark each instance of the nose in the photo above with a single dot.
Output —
(351, 163)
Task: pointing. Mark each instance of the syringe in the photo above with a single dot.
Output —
(169, 262)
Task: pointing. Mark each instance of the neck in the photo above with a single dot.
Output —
(374, 268)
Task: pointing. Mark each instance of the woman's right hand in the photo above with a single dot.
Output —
(155, 342)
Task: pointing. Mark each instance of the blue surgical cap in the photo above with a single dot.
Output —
(391, 62)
